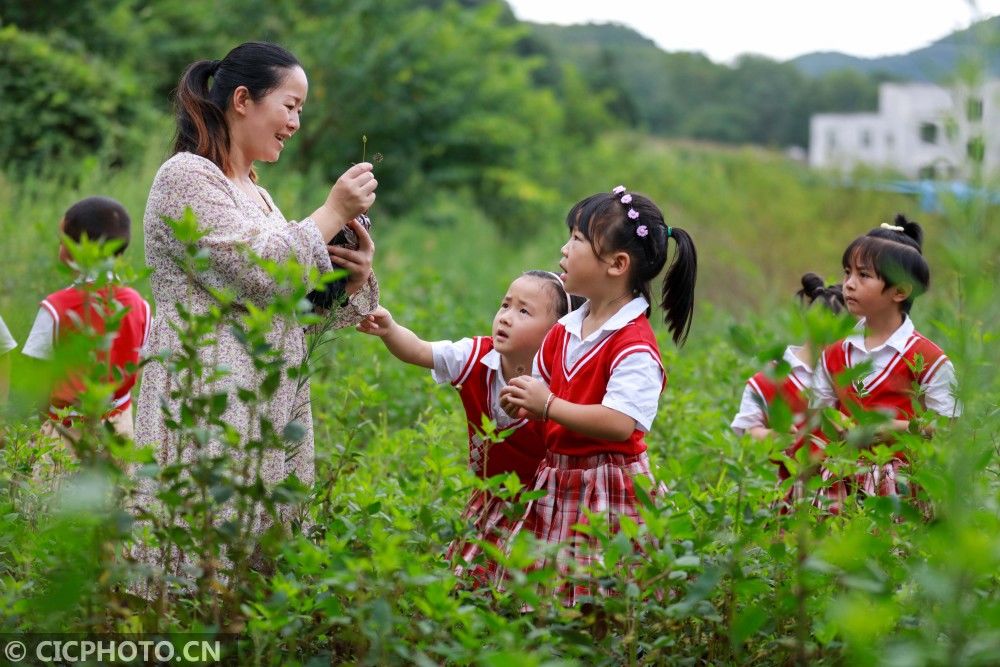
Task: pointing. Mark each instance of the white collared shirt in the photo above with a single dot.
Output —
(7, 342)
(753, 411)
(449, 361)
(636, 382)
(938, 392)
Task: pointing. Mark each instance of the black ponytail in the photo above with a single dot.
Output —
(909, 233)
(814, 290)
(678, 286)
(201, 123)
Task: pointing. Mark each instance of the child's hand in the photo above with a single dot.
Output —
(377, 323)
(524, 397)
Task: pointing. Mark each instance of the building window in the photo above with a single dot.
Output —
(975, 149)
(974, 109)
(928, 133)
(890, 141)
(866, 138)
(831, 139)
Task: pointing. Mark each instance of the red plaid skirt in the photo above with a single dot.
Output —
(870, 480)
(487, 514)
(602, 484)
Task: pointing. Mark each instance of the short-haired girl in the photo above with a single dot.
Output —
(604, 374)
(884, 271)
(478, 368)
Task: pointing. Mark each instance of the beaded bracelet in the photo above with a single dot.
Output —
(548, 402)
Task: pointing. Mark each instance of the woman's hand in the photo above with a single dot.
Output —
(377, 323)
(352, 195)
(524, 397)
(357, 262)
(354, 192)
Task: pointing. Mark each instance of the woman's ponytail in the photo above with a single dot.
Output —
(678, 286)
(201, 123)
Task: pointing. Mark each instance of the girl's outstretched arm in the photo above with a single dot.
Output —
(527, 397)
(403, 343)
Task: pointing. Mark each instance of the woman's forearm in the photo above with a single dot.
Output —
(328, 221)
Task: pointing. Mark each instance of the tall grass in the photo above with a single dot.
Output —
(391, 478)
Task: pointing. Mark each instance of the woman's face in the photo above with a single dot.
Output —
(263, 126)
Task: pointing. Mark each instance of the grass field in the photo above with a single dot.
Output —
(863, 589)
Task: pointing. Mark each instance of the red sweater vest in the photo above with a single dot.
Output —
(790, 389)
(895, 387)
(522, 450)
(75, 307)
(586, 383)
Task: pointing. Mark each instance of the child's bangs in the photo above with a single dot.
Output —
(893, 262)
(596, 220)
(863, 251)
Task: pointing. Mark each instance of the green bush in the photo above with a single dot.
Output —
(62, 106)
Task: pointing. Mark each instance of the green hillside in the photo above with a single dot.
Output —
(937, 62)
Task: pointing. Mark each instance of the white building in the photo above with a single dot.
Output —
(920, 130)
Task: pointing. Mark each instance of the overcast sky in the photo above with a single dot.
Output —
(781, 29)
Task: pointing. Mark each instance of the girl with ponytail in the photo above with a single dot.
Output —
(909, 378)
(765, 387)
(601, 372)
(230, 114)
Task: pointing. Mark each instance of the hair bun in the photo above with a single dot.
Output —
(812, 285)
(911, 229)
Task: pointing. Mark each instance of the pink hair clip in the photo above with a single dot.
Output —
(633, 214)
(618, 190)
(642, 231)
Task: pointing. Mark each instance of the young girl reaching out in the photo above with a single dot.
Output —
(884, 271)
(478, 368)
(603, 372)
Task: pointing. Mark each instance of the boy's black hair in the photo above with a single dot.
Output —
(100, 218)
(605, 221)
(814, 290)
(895, 255)
(562, 302)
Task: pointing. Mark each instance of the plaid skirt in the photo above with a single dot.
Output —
(603, 485)
(870, 480)
(487, 514)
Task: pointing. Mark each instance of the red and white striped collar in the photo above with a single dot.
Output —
(573, 321)
(897, 341)
(491, 360)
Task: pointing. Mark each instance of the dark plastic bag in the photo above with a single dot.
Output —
(334, 293)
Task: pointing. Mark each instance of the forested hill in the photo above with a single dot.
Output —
(754, 100)
(931, 63)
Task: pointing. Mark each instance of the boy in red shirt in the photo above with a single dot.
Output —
(65, 313)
